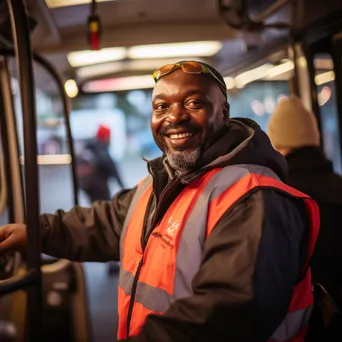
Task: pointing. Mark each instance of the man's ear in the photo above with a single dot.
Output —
(226, 111)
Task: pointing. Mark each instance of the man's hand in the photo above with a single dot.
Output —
(13, 237)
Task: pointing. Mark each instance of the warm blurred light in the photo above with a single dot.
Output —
(252, 75)
(198, 49)
(71, 88)
(258, 108)
(118, 84)
(302, 62)
(323, 63)
(230, 82)
(88, 57)
(324, 96)
(269, 104)
(50, 159)
(280, 69)
(266, 71)
(324, 78)
(282, 97)
(64, 3)
(205, 48)
(99, 69)
(120, 66)
(15, 86)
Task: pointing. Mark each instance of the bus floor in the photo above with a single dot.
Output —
(102, 300)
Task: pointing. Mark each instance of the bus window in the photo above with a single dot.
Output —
(328, 108)
(255, 93)
(258, 100)
(127, 114)
(54, 160)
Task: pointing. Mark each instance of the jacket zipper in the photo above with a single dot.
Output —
(156, 214)
(143, 247)
(131, 302)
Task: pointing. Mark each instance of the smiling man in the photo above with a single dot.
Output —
(189, 113)
(213, 245)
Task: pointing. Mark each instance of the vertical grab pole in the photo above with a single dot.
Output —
(309, 55)
(337, 59)
(21, 37)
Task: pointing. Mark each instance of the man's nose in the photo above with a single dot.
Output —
(178, 114)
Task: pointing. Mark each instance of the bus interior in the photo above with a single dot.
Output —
(67, 66)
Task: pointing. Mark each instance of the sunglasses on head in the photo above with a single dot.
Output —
(189, 68)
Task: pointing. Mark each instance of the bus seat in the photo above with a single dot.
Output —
(65, 305)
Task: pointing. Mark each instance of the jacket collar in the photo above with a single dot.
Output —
(241, 142)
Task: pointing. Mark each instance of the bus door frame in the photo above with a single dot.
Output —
(336, 53)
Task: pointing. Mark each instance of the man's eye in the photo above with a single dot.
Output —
(160, 107)
(195, 104)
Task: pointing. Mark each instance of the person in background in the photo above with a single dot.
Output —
(100, 167)
(96, 167)
(294, 132)
(213, 245)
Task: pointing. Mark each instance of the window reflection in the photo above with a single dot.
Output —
(258, 100)
(329, 120)
(328, 109)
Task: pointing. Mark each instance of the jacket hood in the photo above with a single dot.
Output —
(241, 142)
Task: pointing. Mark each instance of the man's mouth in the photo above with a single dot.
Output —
(180, 139)
(181, 135)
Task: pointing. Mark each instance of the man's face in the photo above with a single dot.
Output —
(187, 112)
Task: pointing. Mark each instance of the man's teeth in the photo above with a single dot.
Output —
(181, 135)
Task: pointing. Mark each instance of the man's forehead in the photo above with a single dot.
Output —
(181, 82)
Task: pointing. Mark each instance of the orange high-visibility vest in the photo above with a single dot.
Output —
(151, 280)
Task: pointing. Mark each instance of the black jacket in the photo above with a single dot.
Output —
(251, 260)
(311, 173)
(104, 168)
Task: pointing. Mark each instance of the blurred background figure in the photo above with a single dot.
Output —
(293, 131)
(95, 167)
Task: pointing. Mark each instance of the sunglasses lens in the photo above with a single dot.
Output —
(165, 69)
(192, 67)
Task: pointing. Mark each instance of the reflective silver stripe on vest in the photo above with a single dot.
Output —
(292, 324)
(150, 297)
(189, 256)
(190, 250)
(139, 192)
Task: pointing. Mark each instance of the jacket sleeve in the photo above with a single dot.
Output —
(251, 263)
(87, 234)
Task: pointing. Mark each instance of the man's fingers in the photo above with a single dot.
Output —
(2, 233)
(5, 240)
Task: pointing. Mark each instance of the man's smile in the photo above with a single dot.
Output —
(180, 139)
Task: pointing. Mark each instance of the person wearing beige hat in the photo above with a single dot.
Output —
(294, 132)
(292, 126)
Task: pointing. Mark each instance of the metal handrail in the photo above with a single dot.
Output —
(66, 108)
(271, 9)
(19, 282)
(248, 23)
(20, 31)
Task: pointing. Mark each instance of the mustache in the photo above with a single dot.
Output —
(187, 127)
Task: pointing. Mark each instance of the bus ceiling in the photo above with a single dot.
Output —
(240, 32)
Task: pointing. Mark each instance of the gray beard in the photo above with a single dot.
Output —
(183, 160)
